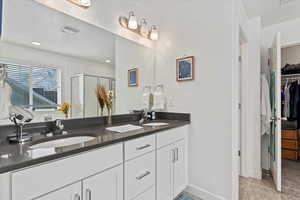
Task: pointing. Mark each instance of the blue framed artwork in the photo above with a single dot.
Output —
(185, 68)
(133, 77)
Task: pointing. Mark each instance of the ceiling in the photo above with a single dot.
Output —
(273, 11)
(27, 21)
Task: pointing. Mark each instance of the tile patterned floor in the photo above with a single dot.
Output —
(252, 189)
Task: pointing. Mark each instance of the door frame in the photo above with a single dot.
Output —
(238, 127)
(243, 52)
(275, 164)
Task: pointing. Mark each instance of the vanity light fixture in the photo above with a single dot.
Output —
(141, 28)
(81, 3)
(132, 21)
(36, 43)
(108, 61)
(154, 33)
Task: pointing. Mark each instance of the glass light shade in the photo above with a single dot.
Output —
(81, 3)
(154, 33)
(143, 28)
(132, 21)
(85, 3)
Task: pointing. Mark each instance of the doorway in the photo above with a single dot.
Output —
(290, 88)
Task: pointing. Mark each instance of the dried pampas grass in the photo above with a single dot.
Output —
(104, 98)
(100, 96)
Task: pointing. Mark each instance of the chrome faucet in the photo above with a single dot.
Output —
(20, 136)
(145, 117)
(59, 127)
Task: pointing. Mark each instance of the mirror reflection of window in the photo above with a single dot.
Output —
(34, 87)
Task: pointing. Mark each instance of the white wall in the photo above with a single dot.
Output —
(130, 55)
(290, 55)
(205, 31)
(69, 66)
(290, 33)
(251, 102)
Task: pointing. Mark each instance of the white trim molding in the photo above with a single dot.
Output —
(202, 193)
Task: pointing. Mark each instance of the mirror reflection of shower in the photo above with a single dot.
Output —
(83, 97)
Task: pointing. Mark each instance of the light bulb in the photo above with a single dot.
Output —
(81, 3)
(132, 21)
(143, 28)
(154, 33)
(85, 3)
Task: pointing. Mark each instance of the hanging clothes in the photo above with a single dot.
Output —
(286, 102)
(294, 100)
(266, 111)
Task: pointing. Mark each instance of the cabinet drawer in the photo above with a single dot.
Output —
(171, 136)
(140, 146)
(148, 195)
(39, 180)
(290, 144)
(139, 175)
(289, 134)
(289, 154)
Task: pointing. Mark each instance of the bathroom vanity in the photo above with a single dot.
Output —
(145, 164)
(54, 67)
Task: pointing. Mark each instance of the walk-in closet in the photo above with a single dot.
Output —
(290, 102)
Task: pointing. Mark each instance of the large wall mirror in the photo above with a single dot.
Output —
(48, 58)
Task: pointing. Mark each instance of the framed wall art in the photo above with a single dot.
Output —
(185, 68)
(133, 77)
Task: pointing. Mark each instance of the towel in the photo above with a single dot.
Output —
(266, 111)
(159, 100)
(5, 103)
(147, 100)
(124, 128)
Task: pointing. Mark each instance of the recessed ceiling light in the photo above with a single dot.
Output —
(36, 43)
(108, 61)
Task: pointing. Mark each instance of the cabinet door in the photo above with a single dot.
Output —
(71, 192)
(165, 159)
(180, 175)
(106, 185)
(148, 195)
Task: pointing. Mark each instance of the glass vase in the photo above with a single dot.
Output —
(109, 117)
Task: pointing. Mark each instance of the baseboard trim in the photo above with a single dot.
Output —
(257, 174)
(202, 193)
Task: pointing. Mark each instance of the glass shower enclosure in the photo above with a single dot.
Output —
(84, 102)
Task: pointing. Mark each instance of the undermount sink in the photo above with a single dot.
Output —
(156, 124)
(62, 142)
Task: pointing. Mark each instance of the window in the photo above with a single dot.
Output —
(34, 87)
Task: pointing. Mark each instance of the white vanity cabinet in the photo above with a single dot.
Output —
(139, 168)
(37, 181)
(105, 185)
(71, 192)
(152, 167)
(171, 163)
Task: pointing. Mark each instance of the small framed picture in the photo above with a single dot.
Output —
(133, 77)
(185, 68)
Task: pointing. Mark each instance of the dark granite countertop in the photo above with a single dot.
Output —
(17, 156)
